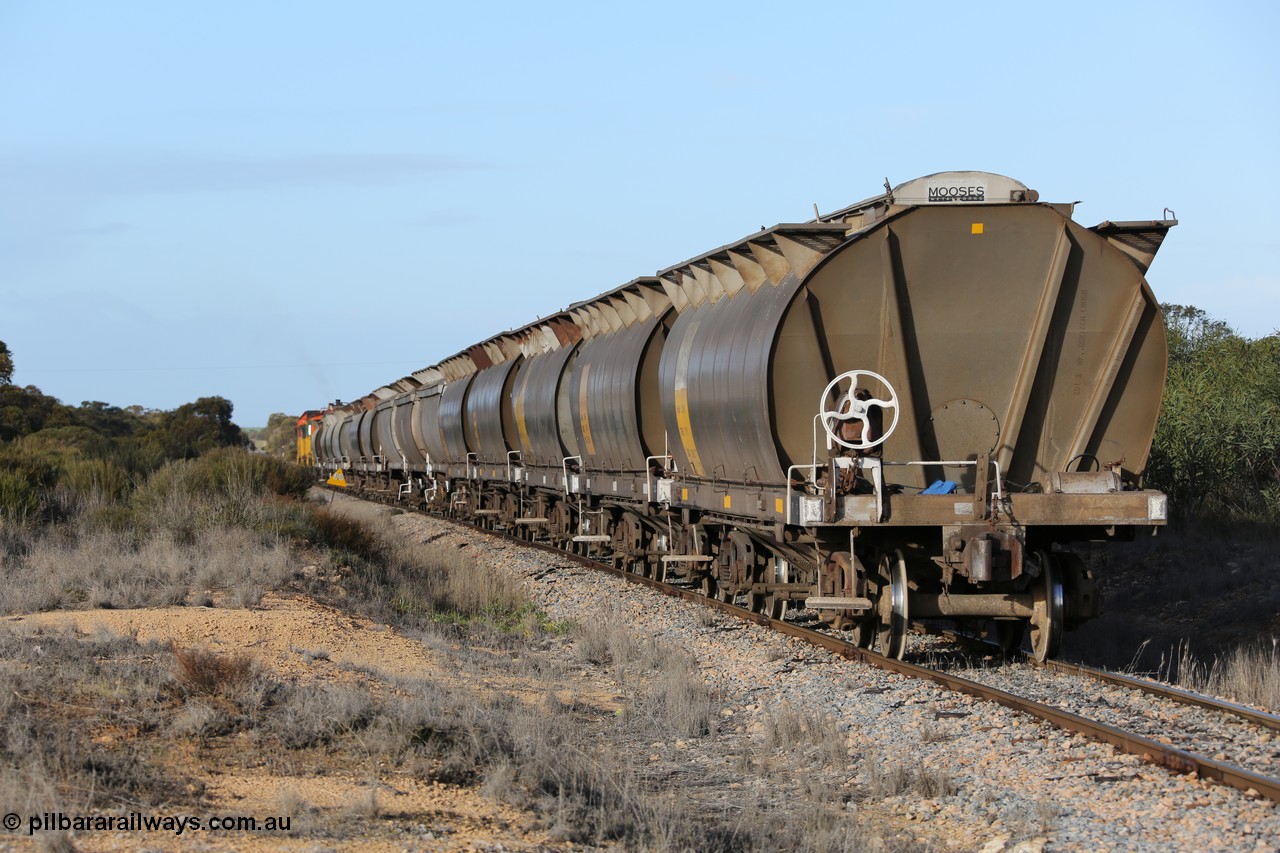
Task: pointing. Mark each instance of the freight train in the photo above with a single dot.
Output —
(909, 408)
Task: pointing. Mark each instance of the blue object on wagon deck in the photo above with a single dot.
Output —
(940, 487)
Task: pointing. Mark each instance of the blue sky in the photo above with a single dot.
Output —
(287, 203)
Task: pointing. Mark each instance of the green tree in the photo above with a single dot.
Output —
(27, 410)
(107, 420)
(1217, 445)
(196, 428)
(280, 436)
(6, 364)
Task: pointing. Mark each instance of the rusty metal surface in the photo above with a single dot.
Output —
(384, 442)
(488, 414)
(348, 447)
(363, 435)
(450, 414)
(427, 423)
(1014, 307)
(1149, 750)
(1136, 507)
(717, 389)
(544, 417)
(326, 439)
(613, 396)
(402, 429)
(1041, 326)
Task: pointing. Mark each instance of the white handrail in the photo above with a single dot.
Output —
(564, 470)
(648, 472)
(813, 469)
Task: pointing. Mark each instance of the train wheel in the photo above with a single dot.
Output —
(891, 610)
(628, 544)
(771, 569)
(510, 512)
(697, 543)
(1046, 609)
(561, 526)
(758, 602)
(864, 631)
(738, 564)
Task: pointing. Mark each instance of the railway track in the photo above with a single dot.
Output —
(1148, 748)
(1259, 718)
(1165, 691)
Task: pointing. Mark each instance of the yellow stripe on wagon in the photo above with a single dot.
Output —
(683, 425)
(582, 410)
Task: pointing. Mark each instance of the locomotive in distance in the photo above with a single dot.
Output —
(908, 408)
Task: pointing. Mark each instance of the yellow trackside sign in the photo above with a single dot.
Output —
(337, 479)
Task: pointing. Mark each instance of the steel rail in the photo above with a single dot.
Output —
(1258, 717)
(1153, 752)
(1167, 691)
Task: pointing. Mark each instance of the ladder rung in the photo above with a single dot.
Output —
(599, 537)
(488, 512)
(533, 521)
(686, 558)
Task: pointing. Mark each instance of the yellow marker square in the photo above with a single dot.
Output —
(684, 494)
(778, 505)
(977, 228)
(726, 501)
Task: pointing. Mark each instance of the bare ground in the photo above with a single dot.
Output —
(304, 642)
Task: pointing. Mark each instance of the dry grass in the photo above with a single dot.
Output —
(72, 712)
(375, 571)
(1248, 673)
(78, 568)
(204, 672)
(582, 769)
(886, 778)
(810, 739)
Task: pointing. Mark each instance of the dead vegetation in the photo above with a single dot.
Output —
(645, 762)
(1248, 673)
(99, 731)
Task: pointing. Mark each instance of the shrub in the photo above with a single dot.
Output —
(345, 534)
(204, 672)
(95, 481)
(1217, 444)
(33, 467)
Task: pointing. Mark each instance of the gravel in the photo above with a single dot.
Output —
(1217, 735)
(984, 777)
